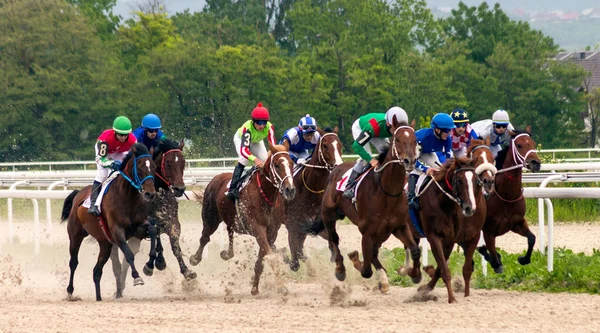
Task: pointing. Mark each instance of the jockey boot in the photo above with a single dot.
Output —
(233, 192)
(413, 201)
(349, 192)
(95, 192)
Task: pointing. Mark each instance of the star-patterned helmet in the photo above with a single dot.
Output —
(459, 116)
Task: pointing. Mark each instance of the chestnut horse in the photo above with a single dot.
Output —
(169, 185)
(124, 214)
(452, 211)
(506, 206)
(379, 209)
(263, 211)
(310, 184)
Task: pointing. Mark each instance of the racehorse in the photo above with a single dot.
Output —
(124, 215)
(258, 211)
(310, 184)
(169, 185)
(506, 205)
(379, 208)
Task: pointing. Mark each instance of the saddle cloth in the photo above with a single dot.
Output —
(245, 179)
(103, 190)
(341, 184)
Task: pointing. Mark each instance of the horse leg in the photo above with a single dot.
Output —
(152, 232)
(116, 265)
(365, 269)
(76, 236)
(441, 255)
(523, 230)
(494, 258)
(296, 240)
(404, 234)
(334, 241)
(384, 283)
(468, 266)
(134, 244)
(119, 237)
(207, 230)
(103, 256)
(160, 262)
(226, 255)
(264, 249)
(174, 232)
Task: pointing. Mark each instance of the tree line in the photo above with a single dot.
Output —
(69, 67)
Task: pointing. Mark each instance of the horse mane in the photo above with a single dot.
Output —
(451, 164)
(136, 150)
(165, 145)
(328, 129)
(384, 152)
(474, 143)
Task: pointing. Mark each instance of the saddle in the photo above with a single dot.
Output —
(245, 178)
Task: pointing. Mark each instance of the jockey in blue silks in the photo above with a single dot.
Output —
(150, 132)
(301, 140)
(436, 147)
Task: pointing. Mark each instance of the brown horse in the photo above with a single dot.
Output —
(506, 206)
(380, 207)
(479, 151)
(310, 184)
(124, 213)
(263, 211)
(169, 185)
(452, 211)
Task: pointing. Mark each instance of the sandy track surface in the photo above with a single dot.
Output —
(32, 293)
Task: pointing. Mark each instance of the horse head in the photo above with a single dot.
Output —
(170, 165)
(523, 149)
(459, 176)
(329, 149)
(479, 151)
(404, 144)
(278, 170)
(139, 171)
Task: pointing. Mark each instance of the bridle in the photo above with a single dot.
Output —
(136, 182)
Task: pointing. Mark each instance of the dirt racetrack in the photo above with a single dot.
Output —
(32, 293)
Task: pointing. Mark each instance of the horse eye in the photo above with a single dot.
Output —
(326, 147)
(277, 166)
(519, 146)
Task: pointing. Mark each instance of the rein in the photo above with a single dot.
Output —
(162, 168)
(451, 186)
(320, 160)
(395, 160)
(519, 161)
(278, 183)
(137, 182)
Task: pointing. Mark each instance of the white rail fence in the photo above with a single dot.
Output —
(201, 176)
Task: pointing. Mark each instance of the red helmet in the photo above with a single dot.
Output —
(260, 113)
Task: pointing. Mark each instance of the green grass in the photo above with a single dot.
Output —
(573, 272)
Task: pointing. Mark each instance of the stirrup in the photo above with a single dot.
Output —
(93, 210)
(414, 203)
(349, 193)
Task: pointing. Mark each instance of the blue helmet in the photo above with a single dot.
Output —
(442, 121)
(308, 124)
(151, 121)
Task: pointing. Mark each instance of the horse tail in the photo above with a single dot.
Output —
(198, 195)
(316, 228)
(210, 206)
(67, 205)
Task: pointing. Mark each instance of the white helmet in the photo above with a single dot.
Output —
(500, 117)
(400, 114)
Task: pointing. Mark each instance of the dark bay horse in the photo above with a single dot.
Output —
(452, 211)
(310, 184)
(506, 205)
(258, 211)
(163, 211)
(124, 212)
(379, 210)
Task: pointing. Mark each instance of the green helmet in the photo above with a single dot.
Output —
(122, 125)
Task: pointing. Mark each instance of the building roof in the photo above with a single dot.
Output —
(589, 60)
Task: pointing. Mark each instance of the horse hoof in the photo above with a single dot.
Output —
(283, 291)
(524, 260)
(119, 295)
(194, 261)
(138, 282)
(353, 256)
(190, 275)
(254, 291)
(367, 273)
(417, 279)
(341, 276)
(452, 300)
(148, 271)
(402, 271)
(294, 266)
(384, 288)
(160, 263)
(499, 270)
(72, 298)
(225, 255)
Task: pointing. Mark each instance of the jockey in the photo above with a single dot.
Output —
(149, 133)
(111, 148)
(249, 145)
(463, 133)
(436, 147)
(299, 140)
(498, 133)
(376, 129)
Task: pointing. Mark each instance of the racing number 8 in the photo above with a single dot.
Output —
(102, 149)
